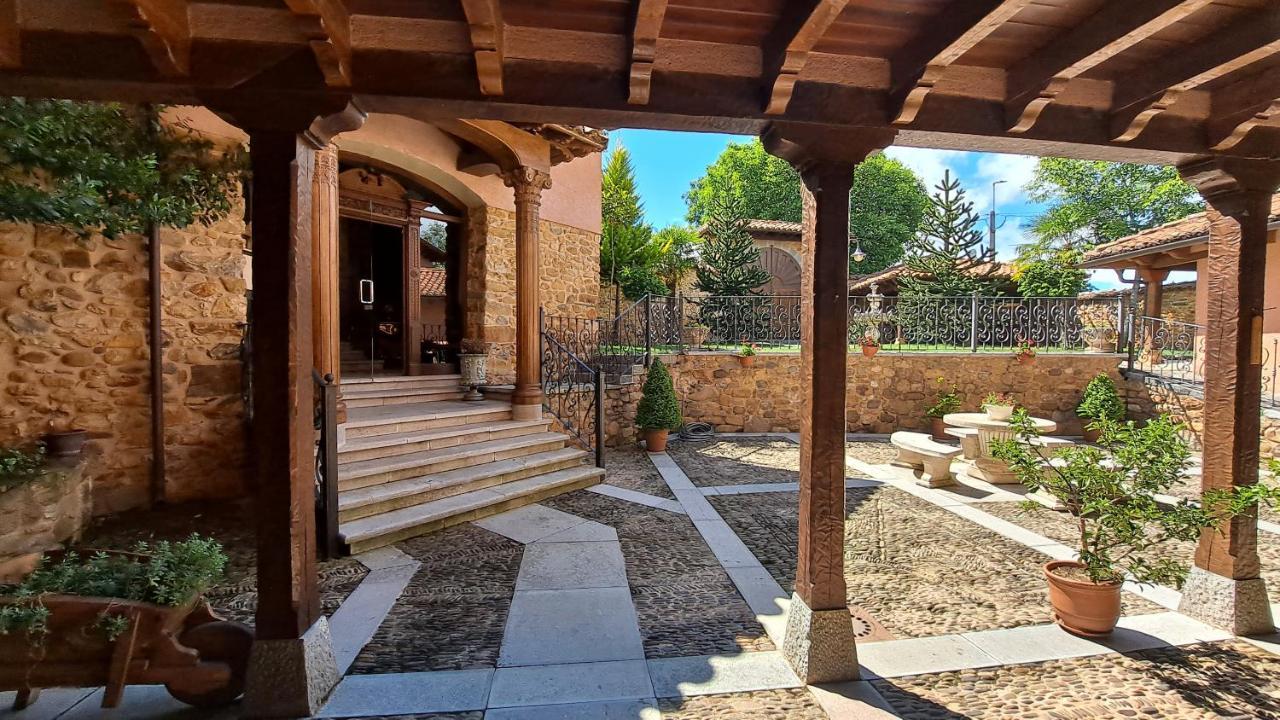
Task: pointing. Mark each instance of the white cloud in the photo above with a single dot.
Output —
(928, 164)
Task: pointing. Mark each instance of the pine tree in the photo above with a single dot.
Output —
(659, 409)
(729, 261)
(948, 256)
(619, 202)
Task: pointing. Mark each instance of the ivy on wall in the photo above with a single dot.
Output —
(108, 168)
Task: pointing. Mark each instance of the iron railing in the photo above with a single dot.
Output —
(615, 345)
(328, 541)
(1173, 352)
(573, 392)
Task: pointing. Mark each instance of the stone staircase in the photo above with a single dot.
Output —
(417, 459)
(355, 360)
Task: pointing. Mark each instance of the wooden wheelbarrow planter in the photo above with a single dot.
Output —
(198, 657)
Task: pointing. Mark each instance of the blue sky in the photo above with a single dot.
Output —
(666, 162)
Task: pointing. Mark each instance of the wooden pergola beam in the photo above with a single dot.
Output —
(162, 28)
(644, 47)
(329, 36)
(786, 49)
(1237, 109)
(1141, 97)
(1035, 82)
(10, 35)
(917, 67)
(484, 21)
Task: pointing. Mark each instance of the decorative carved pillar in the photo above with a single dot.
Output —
(820, 637)
(324, 267)
(1225, 587)
(412, 296)
(528, 183)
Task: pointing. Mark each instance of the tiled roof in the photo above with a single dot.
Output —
(1188, 228)
(431, 282)
(781, 227)
(1002, 271)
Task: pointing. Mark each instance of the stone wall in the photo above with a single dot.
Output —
(42, 514)
(73, 353)
(1148, 397)
(887, 392)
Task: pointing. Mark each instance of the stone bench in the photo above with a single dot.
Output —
(968, 441)
(918, 451)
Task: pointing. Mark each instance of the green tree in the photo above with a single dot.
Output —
(1056, 275)
(619, 201)
(638, 281)
(677, 255)
(886, 202)
(108, 167)
(1092, 202)
(948, 255)
(625, 246)
(729, 263)
(658, 408)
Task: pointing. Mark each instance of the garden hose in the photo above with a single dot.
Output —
(697, 432)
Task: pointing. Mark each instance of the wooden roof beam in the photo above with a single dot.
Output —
(1143, 96)
(1034, 82)
(162, 28)
(1238, 108)
(786, 49)
(644, 45)
(10, 35)
(917, 67)
(484, 21)
(329, 35)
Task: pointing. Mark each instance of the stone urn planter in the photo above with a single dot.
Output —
(1080, 605)
(655, 441)
(998, 412)
(473, 367)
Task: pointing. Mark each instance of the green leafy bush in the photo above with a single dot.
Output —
(638, 281)
(18, 466)
(946, 401)
(659, 409)
(1111, 491)
(1101, 401)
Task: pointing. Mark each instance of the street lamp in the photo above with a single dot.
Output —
(991, 221)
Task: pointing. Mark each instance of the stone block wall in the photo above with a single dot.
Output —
(73, 352)
(41, 515)
(1149, 397)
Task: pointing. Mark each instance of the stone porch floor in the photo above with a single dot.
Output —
(663, 594)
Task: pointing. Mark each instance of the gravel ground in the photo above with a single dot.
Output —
(792, 704)
(230, 523)
(454, 610)
(873, 453)
(738, 462)
(916, 568)
(685, 602)
(1213, 680)
(631, 468)
(1062, 527)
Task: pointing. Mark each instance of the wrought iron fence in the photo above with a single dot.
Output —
(1173, 352)
(329, 544)
(574, 394)
(615, 345)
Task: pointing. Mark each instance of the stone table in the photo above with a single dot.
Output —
(985, 466)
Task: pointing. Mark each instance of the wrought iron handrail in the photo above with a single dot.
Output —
(573, 392)
(329, 543)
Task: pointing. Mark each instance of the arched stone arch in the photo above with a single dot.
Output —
(412, 168)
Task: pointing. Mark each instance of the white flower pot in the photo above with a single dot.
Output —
(998, 412)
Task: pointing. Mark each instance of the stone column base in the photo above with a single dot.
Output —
(291, 678)
(1237, 606)
(820, 644)
(526, 412)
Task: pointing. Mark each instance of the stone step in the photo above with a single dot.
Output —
(387, 497)
(364, 473)
(376, 446)
(360, 366)
(401, 396)
(399, 382)
(388, 419)
(387, 528)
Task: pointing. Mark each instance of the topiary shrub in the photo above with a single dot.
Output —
(1101, 401)
(659, 409)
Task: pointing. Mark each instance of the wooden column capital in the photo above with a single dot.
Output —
(1152, 276)
(1227, 184)
(528, 182)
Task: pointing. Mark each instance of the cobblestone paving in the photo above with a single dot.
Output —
(631, 468)
(918, 569)
(1214, 680)
(453, 612)
(872, 453)
(1062, 527)
(792, 704)
(738, 462)
(685, 602)
(230, 523)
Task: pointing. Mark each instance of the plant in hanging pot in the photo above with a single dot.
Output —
(870, 345)
(1100, 401)
(473, 366)
(999, 405)
(1112, 491)
(1025, 351)
(747, 354)
(659, 411)
(946, 401)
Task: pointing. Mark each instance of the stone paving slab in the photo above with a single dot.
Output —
(529, 523)
(52, 703)
(547, 627)
(356, 621)
(631, 469)
(893, 658)
(140, 702)
(406, 693)
(640, 498)
(575, 683)
(572, 566)
(611, 710)
(717, 674)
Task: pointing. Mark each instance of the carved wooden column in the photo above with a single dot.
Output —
(528, 183)
(820, 637)
(1153, 303)
(1225, 587)
(324, 267)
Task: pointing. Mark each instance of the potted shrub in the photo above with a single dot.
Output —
(946, 401)
(1112, 492)
(1099, 402)
(999, 406)
(1098, 327)
(1025, 351)
(870, 345)
(473, 366)
(659, 412)
(747, 354)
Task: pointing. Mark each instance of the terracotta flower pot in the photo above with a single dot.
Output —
(1026, 359)
(869, 350)
(747, 360)
(65, 444)
(1082, 607)
(938, 429)
(1090, 435)
(655, 441)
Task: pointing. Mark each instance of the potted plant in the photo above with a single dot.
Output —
(999, 405)
(1112, 491)
(473, 367)
(946, 401)
(1025, 351)
(658, 412)
(747, 354)
(1098, 327)
(870, 345)
(1100, 401)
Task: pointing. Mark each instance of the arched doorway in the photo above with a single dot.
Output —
(784, 272)
(399, 265)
